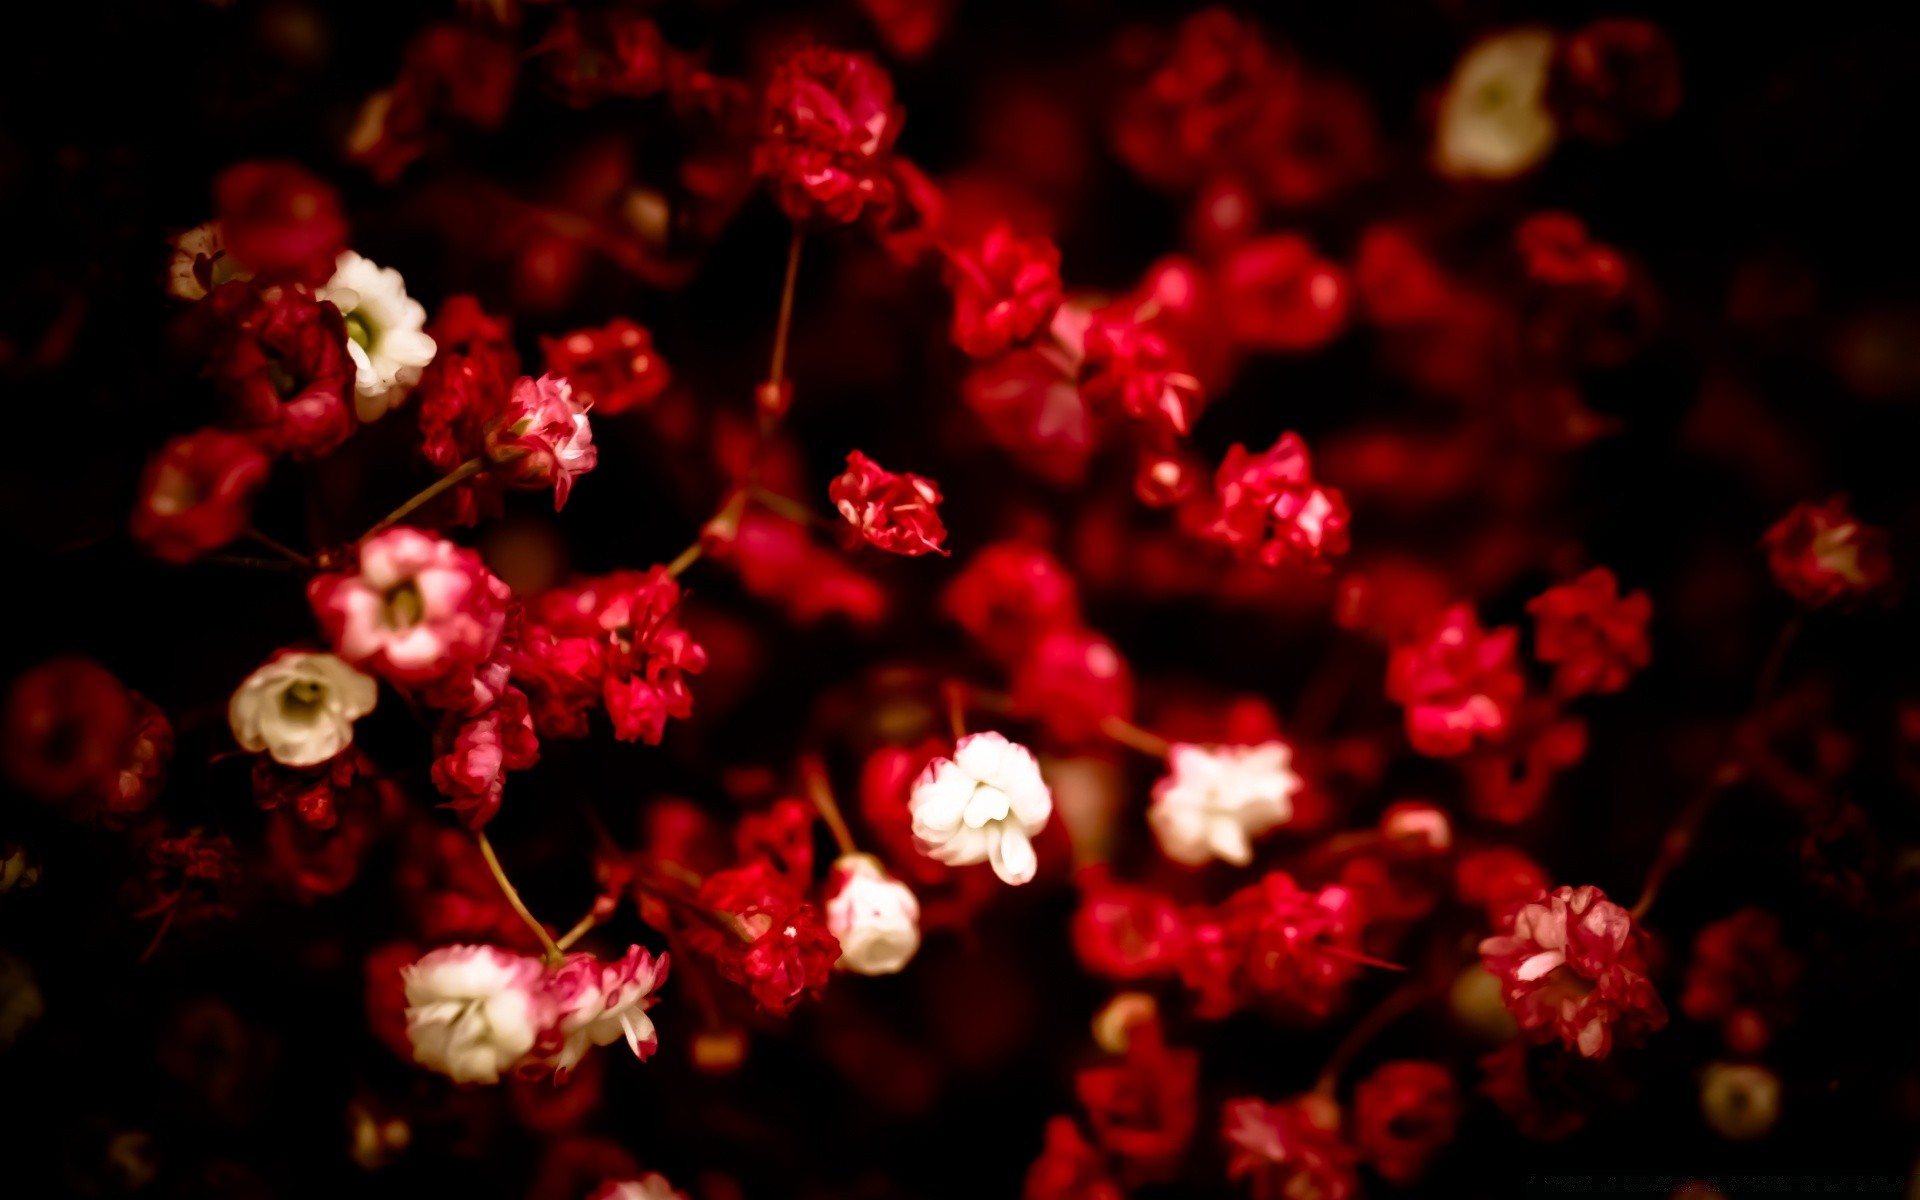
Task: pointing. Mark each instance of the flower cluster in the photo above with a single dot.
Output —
(1573, 965)
(478, 1013)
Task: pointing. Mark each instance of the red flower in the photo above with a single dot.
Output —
(1143, 1109)
(1574, 965)
(782, 836)
(1272, 511)
(1498, 879)
(612, 368)
(311, 859)
(1597, 636)
(188, 877)
(1398, 282)
(477, 752)
(777, 561)
(1403, 1114)
(649, 656)
(1276, 945)
(73, 735)
(1069, 1169)
(1507, 781)
(1127, 933)
(1742, 978)
(1278, 294)
(1191, 115)
(1005, 290)
(1030, 403)
(1008, 595)
(311, 793)
(1614, 75)
(1136, 371)
(603, 53)
(1290, 1150)
(280, 221)
(1560, 254)
(281, 359)
(1822, 553)
(1457, 682)
(1071, 680)
(830, 123)
(196, 495)
(898, 513)
(787, 953)
(541, 439)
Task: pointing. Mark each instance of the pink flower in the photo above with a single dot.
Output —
(830, 122)
(542, 439)
(1457, 682)
(1005, 289)
(1822, 553)
(1272, 511)
(419, 610)
(1289, 1150)
(1574, 965)
(597, 1004)
(477, 752)
(1597, 636)
(196, 495)
(898, 513)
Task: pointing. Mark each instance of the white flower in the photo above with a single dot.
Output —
(651, 1186)
(982, 805)
(385, 330)
(1494, 122)
(300, 708)
(473, 1012)
(1215, 800)
(875, 916)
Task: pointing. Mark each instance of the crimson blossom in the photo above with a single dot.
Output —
(1596, 637)
(1573, 965)
(830, 124)
(1458, 683)
(1272, 511)
(897, 513)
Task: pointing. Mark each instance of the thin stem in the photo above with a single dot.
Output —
(581, 928)
(1128, 734)
(820, 791)
(957, 709)
(454, 478)
(1679, 838)
(788, 507)
(686, 558)
(726, 922)
(1369, 1027)
(519, 906)
(784, 326)
(283, 550)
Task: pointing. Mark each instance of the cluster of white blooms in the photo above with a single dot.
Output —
(475, 1013)
(984, 804)
(300, 707)
(1215, 800)
(386, 332)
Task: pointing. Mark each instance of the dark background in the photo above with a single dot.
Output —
(1793, 146)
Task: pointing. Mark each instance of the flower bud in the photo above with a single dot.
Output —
(1740, 1100)
(874, 915)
